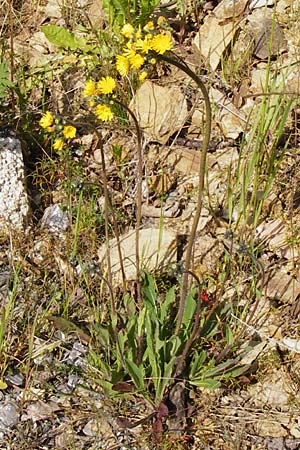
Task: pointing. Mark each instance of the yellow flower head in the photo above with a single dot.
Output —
(138, 34)
(130, 50)
(127, 30)
(161, 43)
(149, 26)
(69, 132)
(90, 89)
(122, 65)
(136, 61)
(161, 21)
(143, 45)
(103, 112)
(46, 120)
(106, 85)
(58, 144)
(143, 75)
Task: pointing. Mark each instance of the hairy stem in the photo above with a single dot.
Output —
(201, 175)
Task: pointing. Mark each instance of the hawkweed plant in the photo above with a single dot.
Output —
(142, 48)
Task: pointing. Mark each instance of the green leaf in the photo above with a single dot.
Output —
(236, 371)
(63, 37)
(141, 322)
(67, 326)
(4, 79)
(208, 383)
(168, 301)
(147, 8)
(189, 310)
(149, 296)
(229, 336)
(103, 335)
(164, 380)
(218, 370)
(197, 364)
(137, 374)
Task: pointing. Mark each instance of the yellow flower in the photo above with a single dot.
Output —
(104, 112)
(161, 21)
(138, 34)
(149, 26)
(127, 30)
(46, 120)
(136, 61)
(69, 132)
(152, 61)
(143, 75)
(90, 89)
(143, 45)
(130, 50)
(106, 85)
(58, 144)
(161, 43)
(122, 65)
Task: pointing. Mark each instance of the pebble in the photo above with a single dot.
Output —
(9, 415)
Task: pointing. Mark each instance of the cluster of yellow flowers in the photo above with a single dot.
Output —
(140, 44)
(105, 86)
(68, 131)
(139, 50)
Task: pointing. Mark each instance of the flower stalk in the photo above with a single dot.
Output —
(201, 177)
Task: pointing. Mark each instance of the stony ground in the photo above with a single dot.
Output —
(52, 293)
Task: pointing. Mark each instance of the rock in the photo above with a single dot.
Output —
(229, 118)
(40, 410)
(14, 206)
(53, 9)
(16, 379)
(228, 9)
(279, 237)
(282, 286)
(274, 391)
(157, 250)
(213, 39)
(264, 30)
(160, 110)
(260, 3)
(9, 415)
(55, 219)
(271, 428)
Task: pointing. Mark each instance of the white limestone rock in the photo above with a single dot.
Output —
(14, 206)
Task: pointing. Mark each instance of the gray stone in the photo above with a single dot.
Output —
(9, 415)
(55, 219)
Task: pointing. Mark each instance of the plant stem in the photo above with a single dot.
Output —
(201, 175)
(138, 198)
